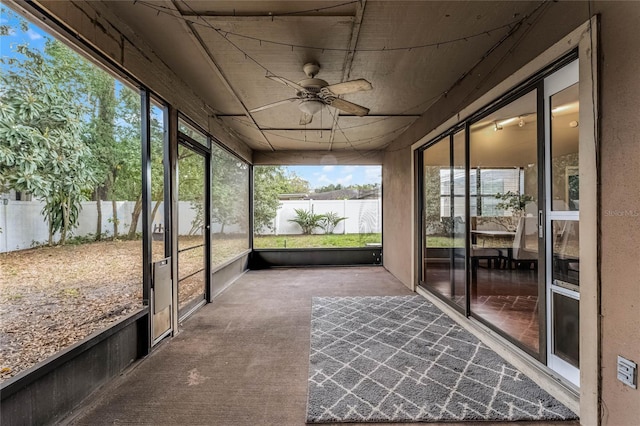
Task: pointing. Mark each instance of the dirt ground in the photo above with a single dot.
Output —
(53, 297)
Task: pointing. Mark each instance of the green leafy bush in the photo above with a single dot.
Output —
(329, 222)
(307, 220)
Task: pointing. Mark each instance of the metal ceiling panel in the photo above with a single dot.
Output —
(247, 132)
(167, 36)
(410, 51)
(245, 61)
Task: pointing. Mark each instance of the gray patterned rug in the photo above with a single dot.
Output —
(401, 359)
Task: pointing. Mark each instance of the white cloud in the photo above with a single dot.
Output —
(328, 168)
(373, 172)
(345, 180)
(323, 178)
(33, 35)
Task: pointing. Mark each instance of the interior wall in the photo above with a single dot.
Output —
(93, 22)
(619, 167)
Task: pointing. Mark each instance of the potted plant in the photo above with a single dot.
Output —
(514, 202)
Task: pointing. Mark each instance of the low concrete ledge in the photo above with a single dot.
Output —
(49, 390)
(269, 258)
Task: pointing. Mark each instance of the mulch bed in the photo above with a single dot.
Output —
(52, 297)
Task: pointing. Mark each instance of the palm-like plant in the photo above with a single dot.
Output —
(307, 220)
(329, 222)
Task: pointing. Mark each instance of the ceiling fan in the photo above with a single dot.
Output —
(314, 93)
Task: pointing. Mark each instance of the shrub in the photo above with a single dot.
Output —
(329, 222)
(307, 220)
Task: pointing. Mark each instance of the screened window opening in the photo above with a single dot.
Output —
(317, 206)
(71, 185)
(229, 206)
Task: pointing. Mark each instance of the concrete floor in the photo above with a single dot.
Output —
(241, 360)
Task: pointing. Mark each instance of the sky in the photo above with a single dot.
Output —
(319, 176)
(34, 36)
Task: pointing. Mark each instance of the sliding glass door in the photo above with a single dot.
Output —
(505, 256)
(443, 165)
(500, 218)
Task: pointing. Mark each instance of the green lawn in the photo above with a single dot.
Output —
(313, 241)
(435, 241)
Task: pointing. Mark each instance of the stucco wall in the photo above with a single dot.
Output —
(396, 216)
(620, 211)
(619, 174)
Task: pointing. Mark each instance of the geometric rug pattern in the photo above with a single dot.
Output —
(401, 359)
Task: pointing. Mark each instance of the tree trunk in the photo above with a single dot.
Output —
(114, 208)
(99, 219)
(135, 216)
(50, 231)
(154, 211)
(65, 222)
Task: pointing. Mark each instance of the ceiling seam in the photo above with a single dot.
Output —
(348, 60)
(218, 71)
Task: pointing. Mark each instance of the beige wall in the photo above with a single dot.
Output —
(397, 214)
(619, 175)
(620, 181)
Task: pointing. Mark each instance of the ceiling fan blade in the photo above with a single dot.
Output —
(286, 82)
(273, 104)
(305, 118)
(349, 87)
(349, 107)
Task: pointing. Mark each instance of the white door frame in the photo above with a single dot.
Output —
(565, 77)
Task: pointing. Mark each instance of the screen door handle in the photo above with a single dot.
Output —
(540, 223)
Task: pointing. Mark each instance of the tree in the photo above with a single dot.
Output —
(229, 190)
(127, 184)
(268, 183)
(112, 133)
(329, 188)
(97, 88)
(41, 148)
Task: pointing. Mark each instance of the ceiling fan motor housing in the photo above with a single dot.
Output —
(312, 87)
(311, 69)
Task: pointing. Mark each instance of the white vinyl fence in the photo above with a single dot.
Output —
(22, 225)
(362, 216)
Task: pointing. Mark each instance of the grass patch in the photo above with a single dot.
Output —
(435, 241)
(315, 241)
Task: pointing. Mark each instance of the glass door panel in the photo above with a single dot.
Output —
(192, 238)
(443, 215)
(162, 289)
(504, 243)
(458, 225)
(563, 220)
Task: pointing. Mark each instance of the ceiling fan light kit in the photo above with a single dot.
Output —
(314, 93)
